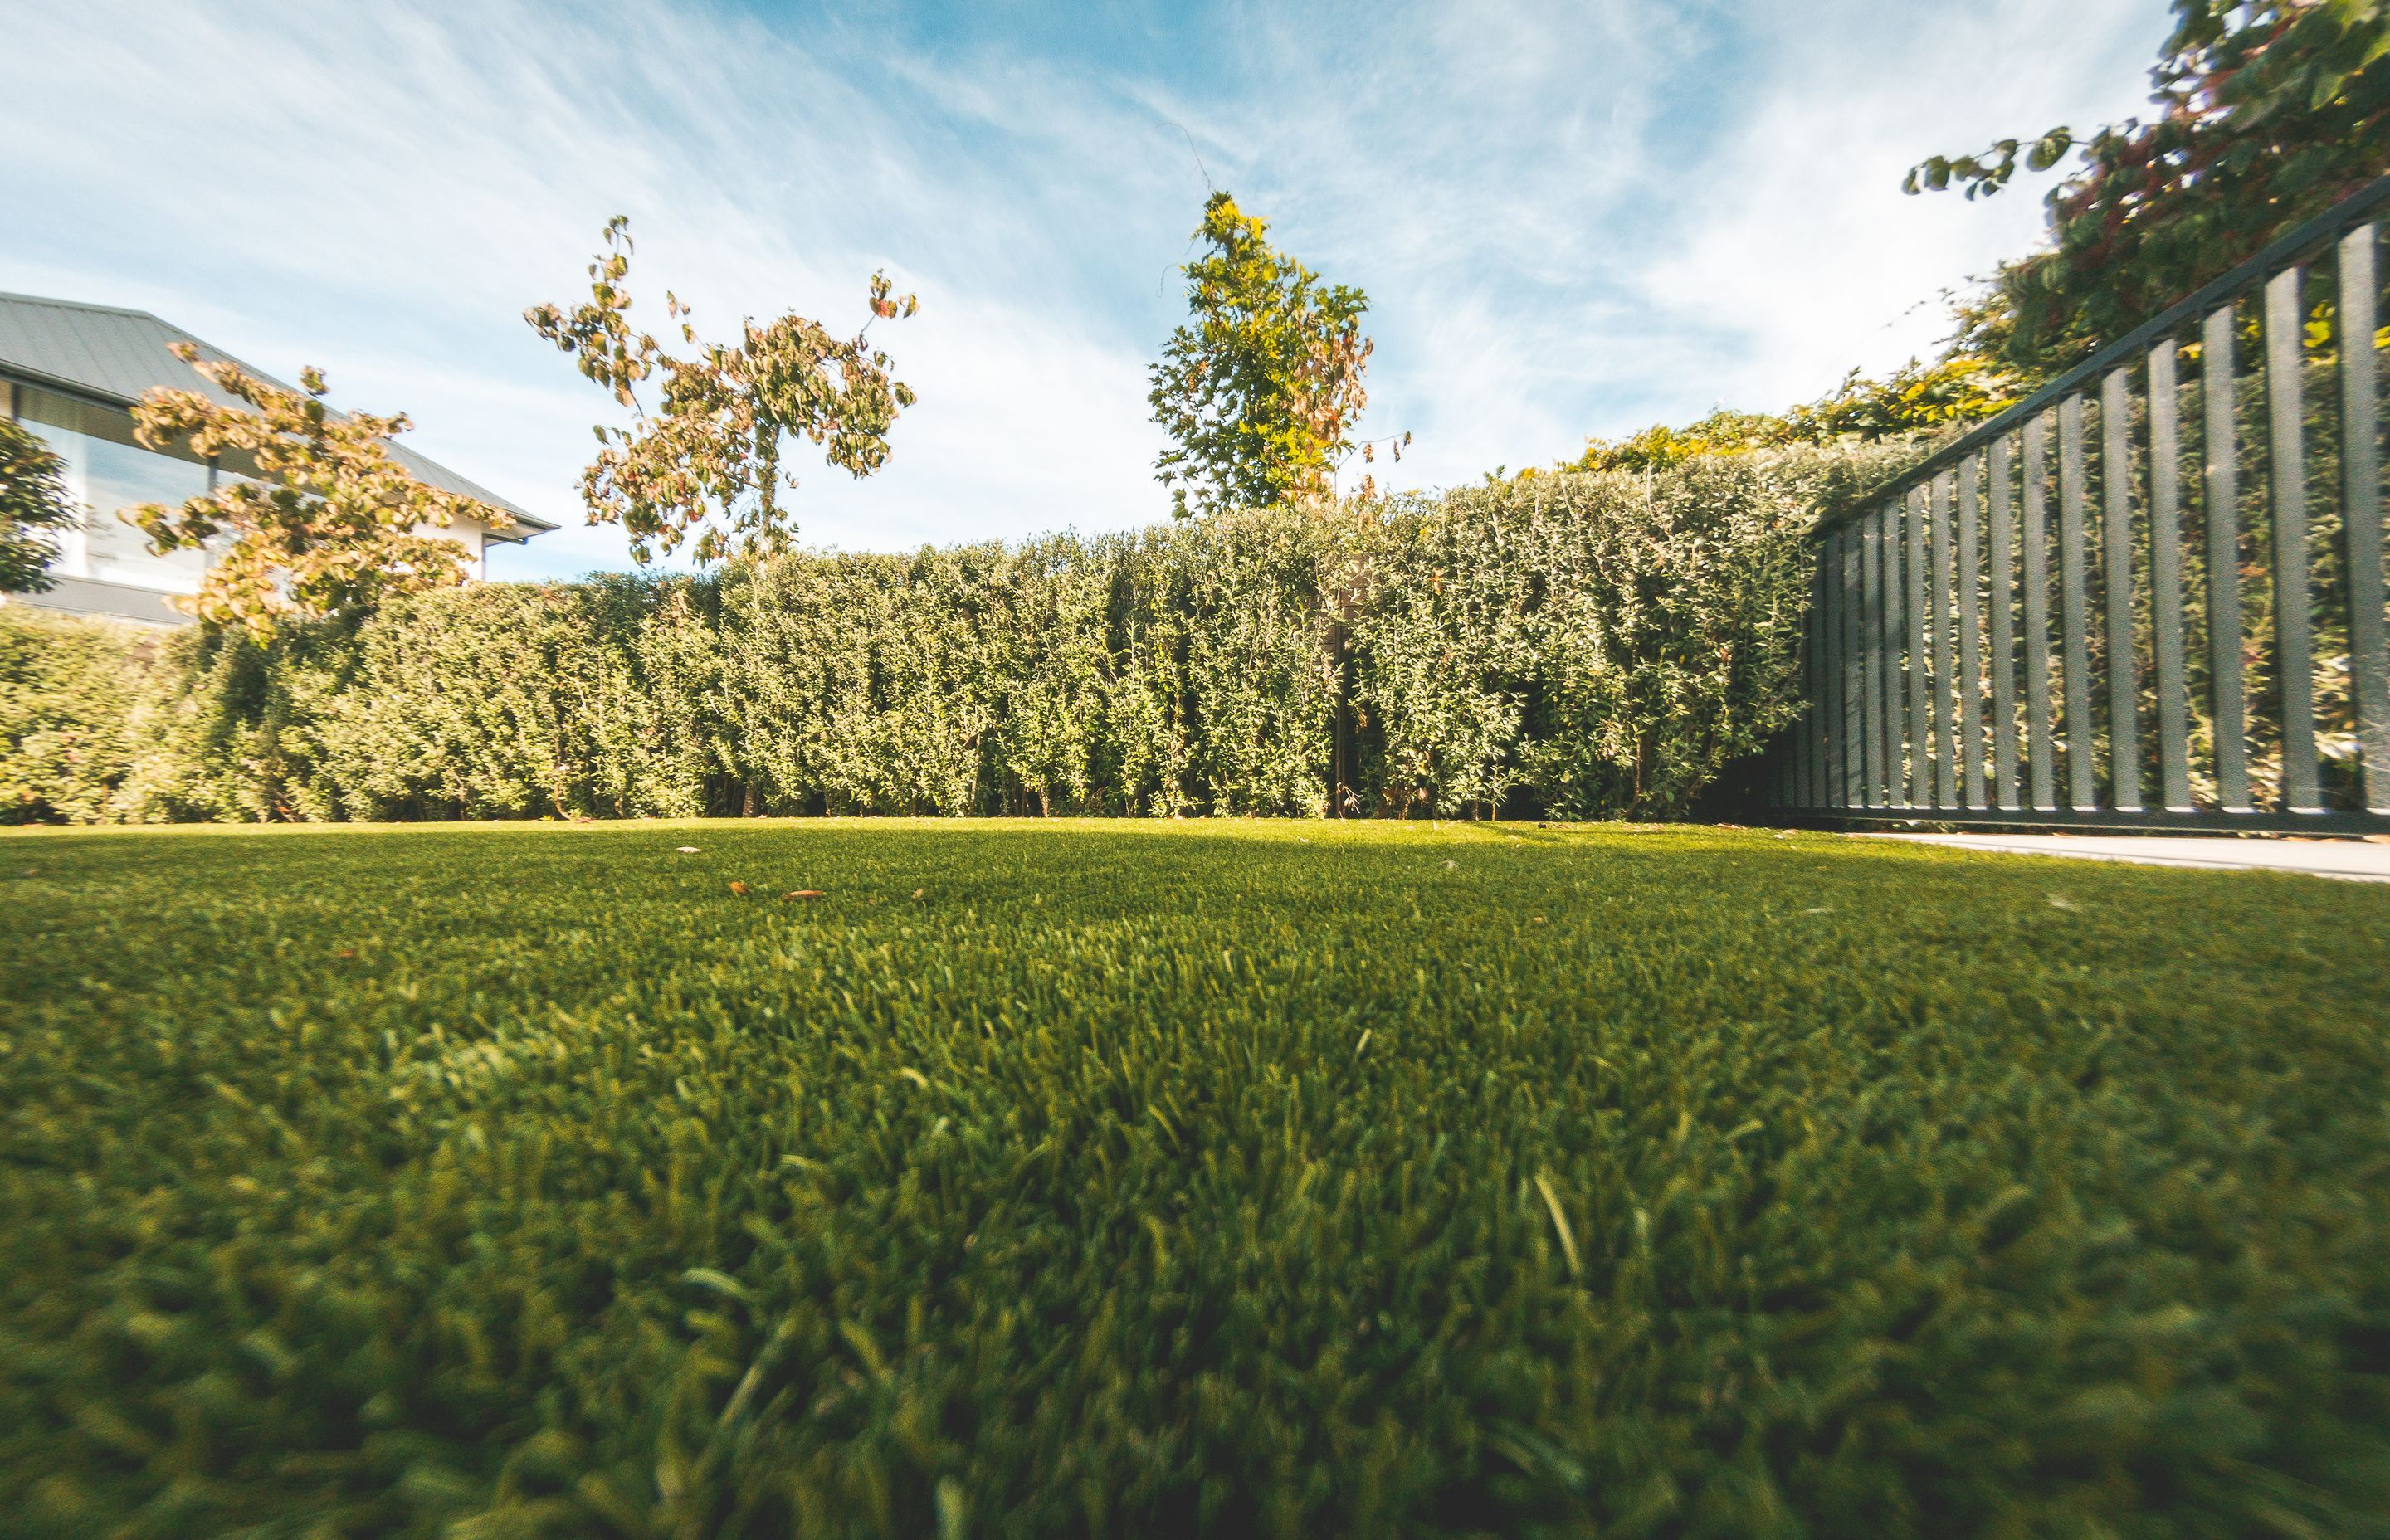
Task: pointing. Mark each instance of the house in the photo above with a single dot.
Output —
(70, 373)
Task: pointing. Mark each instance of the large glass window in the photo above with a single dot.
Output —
(107, 472)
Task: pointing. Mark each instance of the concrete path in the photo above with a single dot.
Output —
(2351, 860)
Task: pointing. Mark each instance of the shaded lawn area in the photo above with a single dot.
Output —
(1218, 1178)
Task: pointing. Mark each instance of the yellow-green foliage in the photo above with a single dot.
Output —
(1195, 1179)
(1916, 398)
(1578, 646)
(323, 518)
(1259, 391)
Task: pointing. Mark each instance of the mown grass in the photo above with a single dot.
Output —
(1216, 1179)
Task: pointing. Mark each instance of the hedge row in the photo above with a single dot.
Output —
(1582, 645)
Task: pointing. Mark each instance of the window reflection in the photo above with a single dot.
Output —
(106, 472)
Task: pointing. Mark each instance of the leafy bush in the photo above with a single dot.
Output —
(69, 691)
(1586, 646)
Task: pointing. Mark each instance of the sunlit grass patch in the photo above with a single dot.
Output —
(1221, 1177)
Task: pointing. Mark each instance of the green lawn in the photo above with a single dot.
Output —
(1220, 1178)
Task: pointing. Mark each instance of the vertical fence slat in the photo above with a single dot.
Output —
(1813, 742)
(1871, 602)
(1940, 584)
(2033, 484)
(2360, 419)
(2293, 634)
(1920, 721)
(1830, 740)
(2221, 492)
(1822, 701)
(1896, 788)
(1874, 601)
(1797, 738)
(1895, 658)
(1813, 716)
(1853, 690)
(2003, 585)
(2116, 522)
(1810, 792)
(2166, 580)
(1811, 723)
(1971, 635)
(2074, 601)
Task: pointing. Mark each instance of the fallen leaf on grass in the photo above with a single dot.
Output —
(346, 951)
(802, 892)
(739, 888)
(918, 891)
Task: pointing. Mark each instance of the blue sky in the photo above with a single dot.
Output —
(1570, 219)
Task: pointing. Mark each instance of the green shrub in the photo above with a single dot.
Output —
(1587, 646)
(70, 692)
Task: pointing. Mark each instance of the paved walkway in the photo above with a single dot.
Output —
(2351, 860)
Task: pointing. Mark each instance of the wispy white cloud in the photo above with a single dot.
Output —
(1635, 217)
(1570, 219)
(1808, 259)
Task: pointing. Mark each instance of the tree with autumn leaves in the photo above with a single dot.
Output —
(708, 460)
(321, 517)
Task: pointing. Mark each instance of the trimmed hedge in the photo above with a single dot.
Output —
(1580, 646)
(70, 692)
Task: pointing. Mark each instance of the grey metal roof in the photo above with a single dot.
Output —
(119, 355)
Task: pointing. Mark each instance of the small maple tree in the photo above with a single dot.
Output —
(707, 461)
